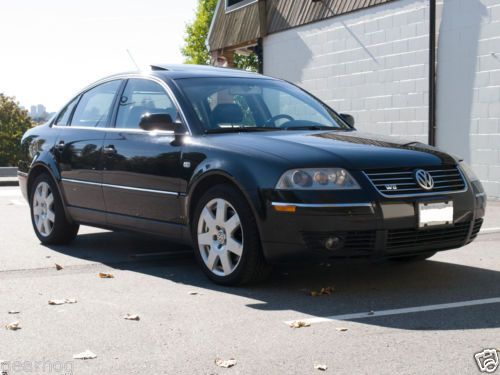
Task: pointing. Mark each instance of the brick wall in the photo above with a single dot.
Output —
(371, 63)
(469, 85)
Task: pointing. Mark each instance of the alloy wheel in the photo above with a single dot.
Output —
(220, 237)
(43, 209)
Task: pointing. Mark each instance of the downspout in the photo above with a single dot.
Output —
(259, 50)
(432, 73)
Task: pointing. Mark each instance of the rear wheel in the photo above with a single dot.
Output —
(47, 213)
(226, 238)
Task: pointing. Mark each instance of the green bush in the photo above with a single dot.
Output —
(14, 121)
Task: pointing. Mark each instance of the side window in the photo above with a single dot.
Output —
(140, 97)
(95, 106)
(62, 119)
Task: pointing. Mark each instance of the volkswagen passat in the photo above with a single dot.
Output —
(250, 170)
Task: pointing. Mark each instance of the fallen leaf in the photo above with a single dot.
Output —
(87, 354)
(57, 301)
(62, 301)
(59, 267)
(131, 317)
(321, 367)
(327, 291)
(341, 329)
(299, 324)
(12, 312)
(225, 363)
(106, 275)
(13, 326)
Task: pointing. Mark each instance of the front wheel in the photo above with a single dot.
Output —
(227, 242)
(47, 213)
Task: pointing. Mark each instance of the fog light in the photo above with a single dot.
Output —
(333, 243)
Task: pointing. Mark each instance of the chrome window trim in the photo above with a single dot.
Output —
(434, 193)
(120, 130)
(162, 83)
(122, 187)
(323, 205)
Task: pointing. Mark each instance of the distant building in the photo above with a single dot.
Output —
(41, 110)
(39, 113)
(33, 111)
(371, 58)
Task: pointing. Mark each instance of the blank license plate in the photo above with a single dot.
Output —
(430, 214)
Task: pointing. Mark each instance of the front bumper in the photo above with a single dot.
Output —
(373, 228)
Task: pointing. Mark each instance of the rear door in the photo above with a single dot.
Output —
(79, 146)
(141, 168)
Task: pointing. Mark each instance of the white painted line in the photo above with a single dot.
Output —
(407, 310)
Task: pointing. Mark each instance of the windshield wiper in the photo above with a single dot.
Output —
(240, 129)
(311, 127)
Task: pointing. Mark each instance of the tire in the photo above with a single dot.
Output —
(47, 213)
(413, 258)
(226, 238)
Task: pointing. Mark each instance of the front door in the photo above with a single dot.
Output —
(141, 168)
(79, 145)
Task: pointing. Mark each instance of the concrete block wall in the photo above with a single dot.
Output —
(371, 63)
(469, 85)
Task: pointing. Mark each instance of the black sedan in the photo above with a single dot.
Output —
(252, 171)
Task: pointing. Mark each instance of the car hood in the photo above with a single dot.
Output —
(348, 149)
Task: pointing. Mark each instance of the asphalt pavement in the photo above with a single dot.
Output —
(384, 318)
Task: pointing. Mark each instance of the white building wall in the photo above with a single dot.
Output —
(371, 63)
(469, 85)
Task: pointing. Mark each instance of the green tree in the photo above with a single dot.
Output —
(14, 121)
(195, 49)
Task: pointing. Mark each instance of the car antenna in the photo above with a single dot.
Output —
(133, 60)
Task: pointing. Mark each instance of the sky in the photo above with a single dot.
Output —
(51, 49)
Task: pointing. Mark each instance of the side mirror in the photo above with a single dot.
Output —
(158, 121)
(348, 118)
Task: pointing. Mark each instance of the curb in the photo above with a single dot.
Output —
(9, 181)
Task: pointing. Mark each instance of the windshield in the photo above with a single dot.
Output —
(229, 104)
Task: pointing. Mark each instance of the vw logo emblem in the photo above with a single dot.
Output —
(424, 179)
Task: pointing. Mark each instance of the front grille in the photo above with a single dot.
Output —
(401, 239)
(397, 182)
(475, 230)
(362, 241)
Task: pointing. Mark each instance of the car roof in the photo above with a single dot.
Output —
(176, 71)
(180, 71)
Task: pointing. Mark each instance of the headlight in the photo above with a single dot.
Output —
(317, 179)
(468, 171)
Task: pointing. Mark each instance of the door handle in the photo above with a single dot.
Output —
(110, 149)
(60, 146)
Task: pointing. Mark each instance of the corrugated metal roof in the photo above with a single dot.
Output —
(242, 25)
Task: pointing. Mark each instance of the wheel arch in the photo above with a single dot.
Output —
(219, 177)
(38, 169)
